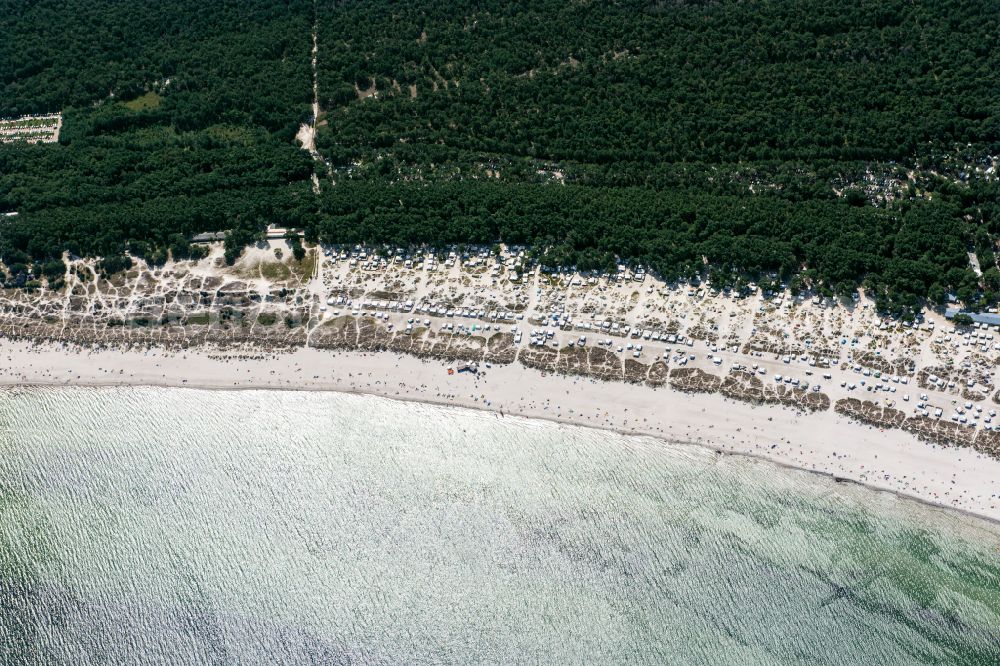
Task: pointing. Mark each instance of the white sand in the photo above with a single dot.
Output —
(821, 442)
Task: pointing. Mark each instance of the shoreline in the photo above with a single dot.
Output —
(968, 481)
(901, 495)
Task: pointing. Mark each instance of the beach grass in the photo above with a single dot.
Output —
(303, 270)
(199, 319)
(275, 270)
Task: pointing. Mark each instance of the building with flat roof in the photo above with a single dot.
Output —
(209, 237)
(988, 318)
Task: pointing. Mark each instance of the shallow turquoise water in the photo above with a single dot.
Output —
(183, 527)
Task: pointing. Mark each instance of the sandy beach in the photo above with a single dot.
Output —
(822, 384)
(824, 442)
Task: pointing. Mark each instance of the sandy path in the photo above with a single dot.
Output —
(307, 131)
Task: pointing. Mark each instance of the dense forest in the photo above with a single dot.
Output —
(822, 143)
(179, 117)
(614, 82)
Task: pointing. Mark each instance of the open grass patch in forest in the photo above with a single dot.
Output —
(150, 100)
(232, 134)
(199, 319)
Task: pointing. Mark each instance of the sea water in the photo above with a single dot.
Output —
(178, 526)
